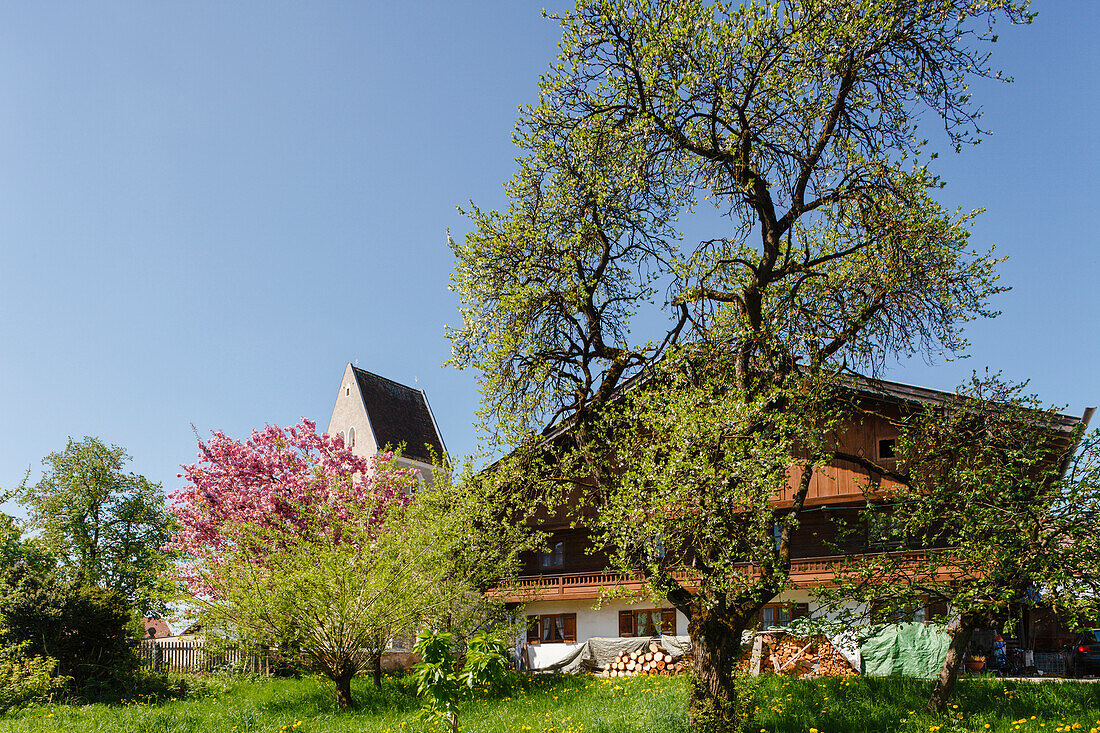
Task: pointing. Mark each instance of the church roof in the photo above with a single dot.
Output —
(400, 414)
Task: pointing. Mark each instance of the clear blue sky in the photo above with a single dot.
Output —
(207, 209)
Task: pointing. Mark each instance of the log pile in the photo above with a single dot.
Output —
(813, 657)
(648, 660)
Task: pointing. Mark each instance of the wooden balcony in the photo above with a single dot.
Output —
(580, 586)
(805, 573)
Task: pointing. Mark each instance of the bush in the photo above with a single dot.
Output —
(484, 667)
(83, 627)
(25, 679)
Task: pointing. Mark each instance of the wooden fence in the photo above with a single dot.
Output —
(194, 656)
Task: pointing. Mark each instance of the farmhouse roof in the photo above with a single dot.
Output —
(871, 386)
(400, 414)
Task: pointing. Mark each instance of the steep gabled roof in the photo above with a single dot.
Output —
(400, 414)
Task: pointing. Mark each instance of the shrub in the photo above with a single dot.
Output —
(83, 627)
(485, 666)
(25, 679)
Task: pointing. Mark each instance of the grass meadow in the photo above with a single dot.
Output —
(580, 704)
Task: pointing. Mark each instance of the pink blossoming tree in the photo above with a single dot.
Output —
(291, 483)
(292, 539)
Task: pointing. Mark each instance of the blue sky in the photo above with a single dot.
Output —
(207, 209)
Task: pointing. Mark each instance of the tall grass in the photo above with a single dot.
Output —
(580, 705)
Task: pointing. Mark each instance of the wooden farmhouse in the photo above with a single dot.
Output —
(563, 590)
(560, 589)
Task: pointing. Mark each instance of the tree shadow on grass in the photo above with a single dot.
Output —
(1047, 698)
(866, 705)
(397, 695)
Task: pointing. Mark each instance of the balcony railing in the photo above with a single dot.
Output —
(805, 573)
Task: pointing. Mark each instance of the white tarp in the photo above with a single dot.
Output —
(598, 651)
(594, 653)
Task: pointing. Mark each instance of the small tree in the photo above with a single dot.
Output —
(294, 541)
(102, 523)
(1003, 496)
(484, 666)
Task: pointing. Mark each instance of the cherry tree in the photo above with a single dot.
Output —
(292, 481)
(290, 539)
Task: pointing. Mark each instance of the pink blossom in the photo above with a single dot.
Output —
(290, 482)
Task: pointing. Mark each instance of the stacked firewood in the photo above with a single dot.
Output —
(814, 657)
(650, 660)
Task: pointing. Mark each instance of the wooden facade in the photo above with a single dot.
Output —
(833, 526)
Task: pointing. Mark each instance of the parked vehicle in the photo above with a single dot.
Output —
(1084, 655)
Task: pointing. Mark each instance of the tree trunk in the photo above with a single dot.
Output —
(376, 667)
(960, 638)
(716, 704)
(343, 688)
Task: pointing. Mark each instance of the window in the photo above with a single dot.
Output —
(552, 628)
(779, 615)
(647, 622)
(343, 437)
(554, 557)
(402, 643)
(347, 391)
(351, 437)
(777, 535)
(775, 617)
(900, 613)
(887, 447)
(884, 532)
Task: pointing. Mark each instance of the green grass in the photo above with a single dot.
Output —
(582, 705)
(863, 705)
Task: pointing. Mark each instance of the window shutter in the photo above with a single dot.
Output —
(626, 623)
(668, 621)
(570, 627)
(799, 610)
(936, 610)
(532, 629)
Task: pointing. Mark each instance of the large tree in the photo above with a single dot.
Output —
(1004, 495)
(105, 525)
(736, 185)
(17, 549)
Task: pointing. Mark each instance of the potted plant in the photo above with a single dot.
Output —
(974, 662)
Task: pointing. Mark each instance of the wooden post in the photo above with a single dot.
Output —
(757, 651)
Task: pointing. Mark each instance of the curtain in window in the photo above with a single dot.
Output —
(553, 628)
(649, 623)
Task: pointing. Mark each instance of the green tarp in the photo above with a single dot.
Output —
(912, 650)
